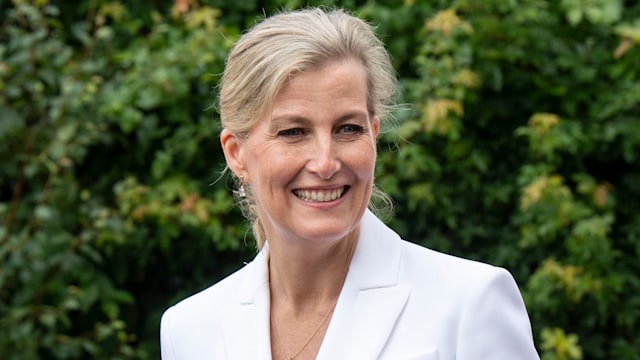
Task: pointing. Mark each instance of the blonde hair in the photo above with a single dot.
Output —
(266, 56)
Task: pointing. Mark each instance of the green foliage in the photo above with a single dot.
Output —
(518, 146)
(560, 346)
(520, 151)
(104, 177)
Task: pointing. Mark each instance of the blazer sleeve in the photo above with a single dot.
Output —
(494, 323)
(166, 345)
(189, 331)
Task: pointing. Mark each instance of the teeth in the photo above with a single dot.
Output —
(319, 195)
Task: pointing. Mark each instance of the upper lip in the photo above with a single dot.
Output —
(321, 187)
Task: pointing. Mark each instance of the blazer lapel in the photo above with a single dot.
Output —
(371, 299)
(245, 327)
(368, 307)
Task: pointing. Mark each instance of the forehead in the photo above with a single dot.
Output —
(340, 83)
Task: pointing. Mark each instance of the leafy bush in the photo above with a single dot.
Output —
(105, 187)
(518, 146)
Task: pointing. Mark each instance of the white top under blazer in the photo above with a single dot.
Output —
(399, 301)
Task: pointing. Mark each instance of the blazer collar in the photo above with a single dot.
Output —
(245, 326)
(371, 299)
(368, 306)
(377, 256)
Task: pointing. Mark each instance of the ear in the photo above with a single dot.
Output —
(375, 126)
(231, 145)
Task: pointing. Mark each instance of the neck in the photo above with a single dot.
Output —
(304, 280)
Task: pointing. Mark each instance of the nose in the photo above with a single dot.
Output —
(323, 160)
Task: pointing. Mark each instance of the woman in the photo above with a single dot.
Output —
(301, 102)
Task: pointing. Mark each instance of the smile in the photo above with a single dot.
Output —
(320, 195)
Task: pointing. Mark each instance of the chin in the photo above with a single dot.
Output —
(328, 234)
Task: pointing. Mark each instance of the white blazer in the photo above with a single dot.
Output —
(400, 301)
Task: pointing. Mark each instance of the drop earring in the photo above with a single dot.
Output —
(241, 192)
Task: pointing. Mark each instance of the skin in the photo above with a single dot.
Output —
(319, 139)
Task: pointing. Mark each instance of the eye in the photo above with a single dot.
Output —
(293, 132)
(351, 129)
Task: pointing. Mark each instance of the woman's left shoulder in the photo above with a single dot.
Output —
(479, 302)
(451, 269)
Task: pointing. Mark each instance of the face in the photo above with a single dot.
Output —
(310, 164)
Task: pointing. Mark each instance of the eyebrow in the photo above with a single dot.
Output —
(301, 120)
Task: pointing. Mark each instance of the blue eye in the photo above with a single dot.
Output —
(351, 128)
(292, 132)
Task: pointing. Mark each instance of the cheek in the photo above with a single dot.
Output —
(363, 159)
(275, 166)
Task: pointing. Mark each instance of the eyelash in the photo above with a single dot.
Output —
(347, 128)
(292, 132)
(352, 128)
